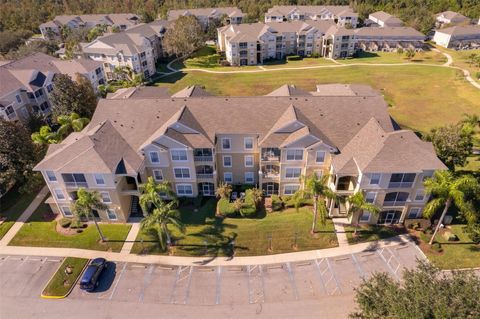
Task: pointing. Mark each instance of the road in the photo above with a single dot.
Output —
(304, 289)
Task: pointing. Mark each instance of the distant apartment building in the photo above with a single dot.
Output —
(383, 19)
(137, 48)
(450, 17)
(26, 83)
(340, 15)
(250, 44)
(196, 141)
(458, 37)
(205, 16)
(53, 29)
(388, 39)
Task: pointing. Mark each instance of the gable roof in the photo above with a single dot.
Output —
(386, 18)
(288, 90)
(451, 15)
(461, 30)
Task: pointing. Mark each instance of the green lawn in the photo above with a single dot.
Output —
(366, 233)
(421, 97)
(40, 233)
(455, 255)
(251, 234)
(460, 59)
(61, 282)
(429, 57)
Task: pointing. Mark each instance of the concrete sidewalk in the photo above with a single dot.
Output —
(130, 240)
(339, 224)
(24, 217)
(205, 261)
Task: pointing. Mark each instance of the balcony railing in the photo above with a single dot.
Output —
(76, 184)
(270, 175)
(203, 158)
(394, 203)
(270, 157)
(400, 184)
(203, 175)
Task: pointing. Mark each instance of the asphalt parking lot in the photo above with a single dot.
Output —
(222, 285)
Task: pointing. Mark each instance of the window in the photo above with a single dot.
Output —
(248, 143)
(19, 99)
(370, 197)
(426, 175)
(401, 180)
(181, 172)
(49, 88)
(179, 155)
(228, 177)
(413, 212)
(294, 155)
(66, 211)
(157, 175)
(365, 217)
(227, 161)
(293, 172)
(420, 196)
(226, 143)
(154, 157)
(59, 194)
(290, 189)
(375, 179)
(51, 176)
(249, 179)
(74, 180)
(184, 189)
(106, 197)
(320, 157)
(99, 179)
(248, 161)
(395, 199)
(112, 215)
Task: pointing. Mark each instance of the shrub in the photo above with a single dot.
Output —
(65, 222)
(289, 202)
(76, 224)
(437, 247)
(473, 232)
(249, 207)
(449, 236)
(477, 75)
(315, 55)
(197, 201)
(294, 58)
(224, 63)
(226, 208)
(277, 203)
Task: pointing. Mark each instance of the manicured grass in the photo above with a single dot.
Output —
(429, 57)
(366, 233)
(421, 97)
(456, 254)
(252, 235)
(61, 282)
(39, 233)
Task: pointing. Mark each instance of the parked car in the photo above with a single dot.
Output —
(91, 275)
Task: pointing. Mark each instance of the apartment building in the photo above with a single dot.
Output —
(251, 44)
(27, 82)
(383, 19)
(137, 48)
(388, 39)
(458, 37)
(198, 141)
(340, 15)
(206, 16)
(450, 17)
(53, 29)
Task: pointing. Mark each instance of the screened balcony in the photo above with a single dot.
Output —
(270, 154)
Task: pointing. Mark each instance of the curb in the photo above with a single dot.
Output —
(71, 288)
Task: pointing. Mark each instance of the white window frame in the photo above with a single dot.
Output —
(365, 220)
(324, 156)
(108, 195)
(155, 175)
(290, 192)
(176, 151)
(292, 168)
(225, 174)
(229, 143)
(181, 168)
(245, 159)
(109, 211)
(379, 178)
(19, 98)
(61, 192)
(252, 178)
(294, 150)
(418, 209)
(102, 177)
(245, 143)
(183, 185)
(374, 197)
(70, 214)
(223, 160)
(49, 177)
(150, 157)
(423, 195)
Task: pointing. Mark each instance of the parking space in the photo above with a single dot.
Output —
(234, 288)
(160, 288)
(308, 280)
(279, 283)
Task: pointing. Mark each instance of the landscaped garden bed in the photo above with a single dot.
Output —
(64, 279)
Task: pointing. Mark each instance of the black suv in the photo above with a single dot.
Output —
(91, 275)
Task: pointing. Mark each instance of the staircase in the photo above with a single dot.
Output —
(135, 209)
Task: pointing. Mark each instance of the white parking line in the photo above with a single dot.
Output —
(118, 279)
(291, 276)
(319, 272)
(380, 253)
(146, 282)
(4, 260)
(333, 275)
(357, 266)
(219, 285)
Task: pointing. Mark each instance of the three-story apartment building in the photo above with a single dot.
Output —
(195, 141)
(206, 16)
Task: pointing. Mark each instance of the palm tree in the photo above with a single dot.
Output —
(448, 189)
(358, 204)
(86, 202)
(46, 136)
(72, 122)
(317, 188)
(223, 190)
(151, 194)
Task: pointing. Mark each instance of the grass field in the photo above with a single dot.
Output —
(460, 59)
(61, 282)
(40, 233)
(252, 235)
(429, 57)
(366, 233)
(421, 97)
